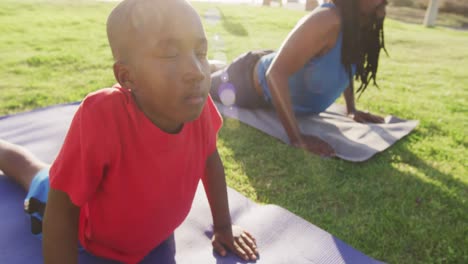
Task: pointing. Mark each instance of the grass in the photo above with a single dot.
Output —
(416, 16)
(405, 205)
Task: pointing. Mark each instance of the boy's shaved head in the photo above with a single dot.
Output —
(160, 48)
(132, 21)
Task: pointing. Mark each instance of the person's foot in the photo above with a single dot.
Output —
(216, 65)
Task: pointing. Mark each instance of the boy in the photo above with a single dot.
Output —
(127, 173)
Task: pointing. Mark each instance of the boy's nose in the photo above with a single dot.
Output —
(194, 69)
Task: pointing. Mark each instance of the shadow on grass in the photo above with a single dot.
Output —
(232, 26)
(395, 207)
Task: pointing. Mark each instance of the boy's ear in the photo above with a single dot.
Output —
(122, 75)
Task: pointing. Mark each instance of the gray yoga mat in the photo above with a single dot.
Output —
(351, 140)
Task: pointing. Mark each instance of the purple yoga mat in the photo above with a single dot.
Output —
(282, 237)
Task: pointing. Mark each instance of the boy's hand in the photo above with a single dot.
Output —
(236, 240)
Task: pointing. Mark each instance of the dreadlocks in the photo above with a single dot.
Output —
(361, 44)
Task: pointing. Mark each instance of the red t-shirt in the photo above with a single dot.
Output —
(134, 183)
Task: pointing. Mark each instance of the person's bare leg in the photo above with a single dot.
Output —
(19, 164)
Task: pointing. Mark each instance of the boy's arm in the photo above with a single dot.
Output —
(241, 242)
(60, 229)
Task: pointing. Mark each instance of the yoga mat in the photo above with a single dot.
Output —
(352, 141)
(282, 237)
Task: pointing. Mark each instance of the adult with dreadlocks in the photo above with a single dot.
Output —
(312, 68)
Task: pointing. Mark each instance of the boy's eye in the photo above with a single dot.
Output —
(168, 55)
(167, 52)
(201, 51)
(201, 54)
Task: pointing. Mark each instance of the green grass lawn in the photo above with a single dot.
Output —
(416, 15)
(405, 205)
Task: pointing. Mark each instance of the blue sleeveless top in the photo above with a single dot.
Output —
(317, 85)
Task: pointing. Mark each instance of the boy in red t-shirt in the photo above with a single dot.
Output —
(127, 173)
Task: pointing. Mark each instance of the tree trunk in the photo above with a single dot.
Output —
(310, 4)
(431, 13)
(266, 2)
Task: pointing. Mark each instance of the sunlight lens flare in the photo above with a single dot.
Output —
(217, 42)
(212, 16)
(227, 93)
(224, 77)
(217, 45)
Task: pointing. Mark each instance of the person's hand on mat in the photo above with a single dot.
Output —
(239, 241)
(315, 145)
(366, 117)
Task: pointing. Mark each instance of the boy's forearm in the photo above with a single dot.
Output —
(60, 229)
(216, 192)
